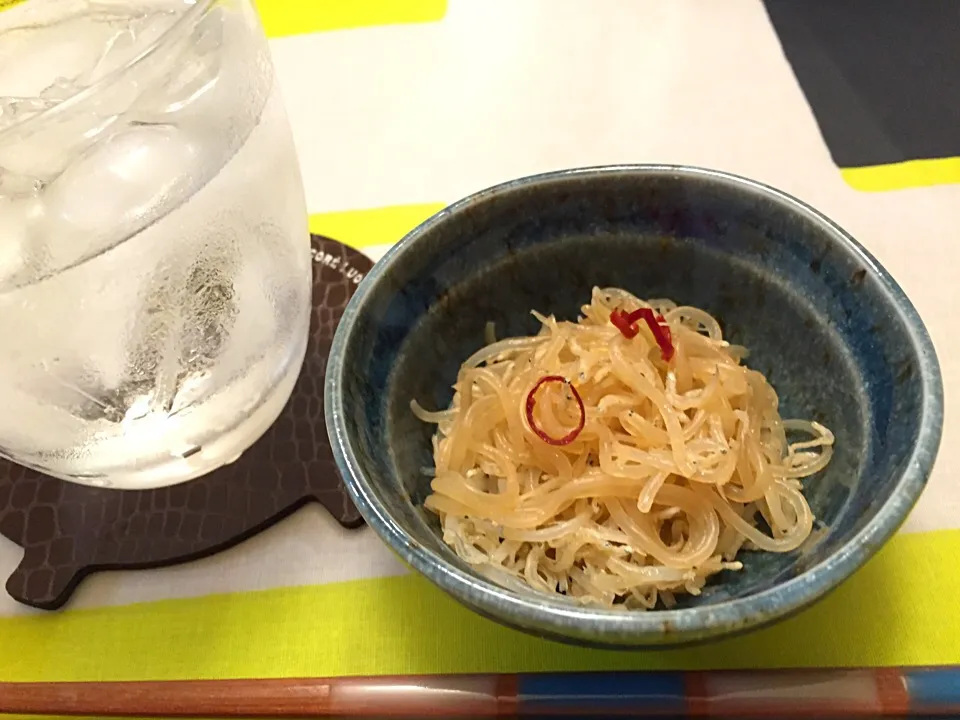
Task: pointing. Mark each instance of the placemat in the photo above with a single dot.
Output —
(398, 109)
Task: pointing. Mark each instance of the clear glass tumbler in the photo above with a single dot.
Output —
(155, 270)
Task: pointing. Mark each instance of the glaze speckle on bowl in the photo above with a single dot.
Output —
(824, 322)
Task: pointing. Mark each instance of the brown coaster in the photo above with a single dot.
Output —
(69, 530)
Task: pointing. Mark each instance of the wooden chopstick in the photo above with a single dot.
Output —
(447, 696)
(787, 693)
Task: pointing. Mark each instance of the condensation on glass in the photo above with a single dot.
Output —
(154, 252)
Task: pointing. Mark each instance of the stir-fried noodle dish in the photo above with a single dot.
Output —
(621, 459)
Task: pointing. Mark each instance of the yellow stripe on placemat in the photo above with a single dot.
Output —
(376, 226)
(897, 176)
(297, 17)
(899, 610)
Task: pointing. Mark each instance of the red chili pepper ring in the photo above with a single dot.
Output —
(626, 324)
(532, 403)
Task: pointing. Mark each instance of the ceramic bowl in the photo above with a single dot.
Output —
(827, 325)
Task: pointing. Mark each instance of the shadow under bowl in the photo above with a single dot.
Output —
(828, 326)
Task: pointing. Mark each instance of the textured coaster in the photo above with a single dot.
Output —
(69, 530)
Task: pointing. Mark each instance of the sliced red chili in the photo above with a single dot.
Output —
(532, 403)
(626, 324)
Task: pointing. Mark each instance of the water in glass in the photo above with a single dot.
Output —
(154, 252)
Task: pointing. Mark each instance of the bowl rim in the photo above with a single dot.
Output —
(616, 627)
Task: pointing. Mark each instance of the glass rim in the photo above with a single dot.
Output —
(185, 22)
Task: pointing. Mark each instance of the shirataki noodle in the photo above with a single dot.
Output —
(621, 459)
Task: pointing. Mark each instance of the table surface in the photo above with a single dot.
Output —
(399, 108)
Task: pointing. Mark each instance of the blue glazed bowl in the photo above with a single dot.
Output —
(824, 321)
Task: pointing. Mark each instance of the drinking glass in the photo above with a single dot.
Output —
(155, 271)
